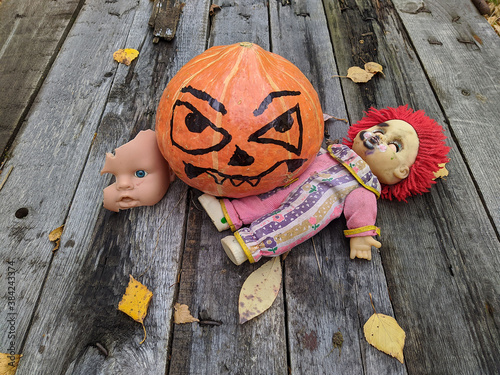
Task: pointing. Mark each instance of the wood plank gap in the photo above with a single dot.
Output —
(285, 304)
(170, 340)
(40, 82)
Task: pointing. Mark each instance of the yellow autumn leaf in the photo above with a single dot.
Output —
(385, 334)
(55, 236)
(358, 75)
(442, 172)
(8, 363)
(260, 290)
(135, 302)
(182, 314)
(373, 67)
(125, 56)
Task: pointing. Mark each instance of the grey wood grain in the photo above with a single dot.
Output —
(340, 287)
(426, 242)
(90, 272)
(210, 283)
(50, 151)
(31, 33)
(469, 92)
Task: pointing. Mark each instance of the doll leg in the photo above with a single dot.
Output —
(306, 211)
(214, 210)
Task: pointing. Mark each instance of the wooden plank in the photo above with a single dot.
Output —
(100, 249)
(49, 153)
(31, 33)
(210, 283)
(447, 36)
(331, 297)
(210, 286)
(439, 288)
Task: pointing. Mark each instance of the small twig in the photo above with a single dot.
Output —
(317, 259)
(210, 322)
(6, 177)
(371, 301)
(102, 349)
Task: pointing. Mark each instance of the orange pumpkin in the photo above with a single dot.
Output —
(238, 121)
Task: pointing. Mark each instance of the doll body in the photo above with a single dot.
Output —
(337, 181)
(393, 153)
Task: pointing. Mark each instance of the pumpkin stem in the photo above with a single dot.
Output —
(246, 44)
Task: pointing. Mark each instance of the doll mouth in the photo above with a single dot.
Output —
(237, 180)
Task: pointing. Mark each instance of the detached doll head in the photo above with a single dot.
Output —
(403, 149)
(142, 174)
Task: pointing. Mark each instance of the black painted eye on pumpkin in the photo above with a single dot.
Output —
(285, 130)
(200, 129)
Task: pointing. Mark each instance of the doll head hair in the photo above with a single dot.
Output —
(432, 150)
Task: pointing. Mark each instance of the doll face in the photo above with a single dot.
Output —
(390, 149)
(142, 175)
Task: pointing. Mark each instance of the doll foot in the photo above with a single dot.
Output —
(214, 210)
(233, 250)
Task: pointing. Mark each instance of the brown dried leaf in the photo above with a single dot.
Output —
(260, 290)
(373, 67)
(8, 363)
(358, 75)
(214, 8)
(55, 236)
(182, 314)
(443, 172)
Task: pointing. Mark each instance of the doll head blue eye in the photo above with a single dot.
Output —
(140, 173)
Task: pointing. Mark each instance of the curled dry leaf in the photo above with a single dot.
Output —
(55, 236)
(125, 56)
(260, 290)
(327, 117)
(135, 302)
(385, 334)
(442, 172)
(182, 314)
(213, 9)
(373, 67)
(8, 363)
(358, 75)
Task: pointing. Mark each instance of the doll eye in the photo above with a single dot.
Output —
(140, 173)
(395, 145)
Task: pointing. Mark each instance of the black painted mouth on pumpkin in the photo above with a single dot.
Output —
(237, 180)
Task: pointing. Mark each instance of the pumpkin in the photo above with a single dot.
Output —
(237, 121)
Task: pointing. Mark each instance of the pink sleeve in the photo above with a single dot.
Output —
(360, 210)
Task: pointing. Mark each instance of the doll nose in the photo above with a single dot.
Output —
(124, 183)
(241, 158)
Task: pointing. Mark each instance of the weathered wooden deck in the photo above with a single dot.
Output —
(64, 102)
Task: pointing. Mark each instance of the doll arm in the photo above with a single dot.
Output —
(360, 211)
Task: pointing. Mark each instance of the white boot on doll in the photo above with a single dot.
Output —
(231, 246)
(234, 250)
(214, 210)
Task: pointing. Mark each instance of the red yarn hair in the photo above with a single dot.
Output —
(432, 150)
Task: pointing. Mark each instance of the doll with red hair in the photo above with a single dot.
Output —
(391, 153)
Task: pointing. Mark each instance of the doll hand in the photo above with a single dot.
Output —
(361, 247)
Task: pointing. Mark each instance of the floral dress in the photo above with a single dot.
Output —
(337, 181)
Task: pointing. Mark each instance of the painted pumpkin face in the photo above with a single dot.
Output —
(238, 121)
